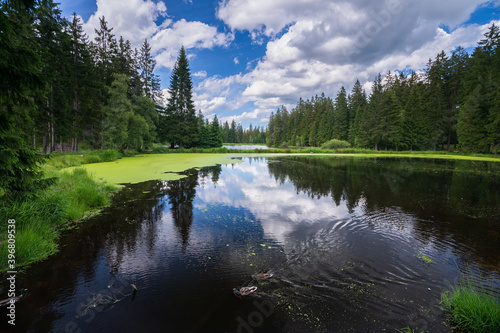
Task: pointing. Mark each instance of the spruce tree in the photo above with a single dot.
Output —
(20, 81)
(204, 135)
(150, 82)
(215, 133)
(342, 115)
(357, 103)
(473, 121)
(180, 121)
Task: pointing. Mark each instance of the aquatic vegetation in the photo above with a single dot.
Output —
(425, 258)
(472, 309)
(152, 167)
(407, 330)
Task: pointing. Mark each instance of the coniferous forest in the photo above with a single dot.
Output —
(453, 105)
(61, 91)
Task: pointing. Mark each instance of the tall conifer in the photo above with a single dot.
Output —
(180, 121)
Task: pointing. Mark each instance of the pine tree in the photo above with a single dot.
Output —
(124, 63)
(20, 81)
(232, 132)
(225, 132)
(204, 137)
(457, 70)
(342, 118)
(371, 128)
(473, 119)
(414, 129)
(215, 133)
(55, 106)
(437, 75)
(84, 85)
(357, 103)
(180, 120)
(150, 82)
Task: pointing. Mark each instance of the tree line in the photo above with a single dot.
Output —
(102, 93)
(180, 126)
(235, 133)
(59, 90)
(455, 104)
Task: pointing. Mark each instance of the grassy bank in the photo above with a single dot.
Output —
(345, 152)
(39, 218)
(63, 160)
(471, 309)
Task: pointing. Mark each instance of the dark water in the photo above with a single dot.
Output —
(343, 237)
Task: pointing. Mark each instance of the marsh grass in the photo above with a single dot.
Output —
(472, 309)
(66, 160)
(40, 218)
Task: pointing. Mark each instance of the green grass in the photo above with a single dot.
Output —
(40, 218)
(344, 152)
(472, 309)
(64, 160)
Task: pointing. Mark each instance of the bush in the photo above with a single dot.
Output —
(91, 158)
(130, 153)
(110, 155)
(336, 144)
(160, 150)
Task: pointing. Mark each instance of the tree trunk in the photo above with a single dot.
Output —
(376, 146)
(44, 145)
(34, 141)
(53, 141)
(49, 139)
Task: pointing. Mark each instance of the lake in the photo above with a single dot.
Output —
(246, 147)
(345, 237)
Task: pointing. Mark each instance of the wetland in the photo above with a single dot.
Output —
(354, 245)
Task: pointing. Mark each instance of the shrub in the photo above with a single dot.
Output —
(160, 150)
(130, 153)
(110, 155)
(336, 144)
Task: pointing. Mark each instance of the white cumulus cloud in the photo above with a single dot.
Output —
(137, 20)
(318, 46)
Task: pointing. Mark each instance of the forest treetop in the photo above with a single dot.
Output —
(455, 104)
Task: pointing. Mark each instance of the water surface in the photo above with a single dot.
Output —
(246, 147)
(343, 236)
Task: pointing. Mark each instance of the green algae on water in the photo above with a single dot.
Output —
(142, 168)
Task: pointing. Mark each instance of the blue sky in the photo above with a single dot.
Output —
(249, 57)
